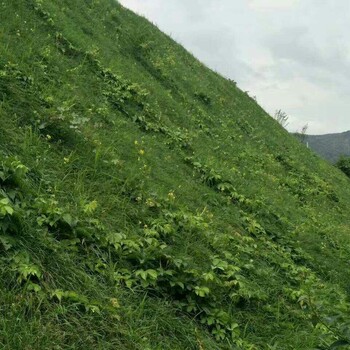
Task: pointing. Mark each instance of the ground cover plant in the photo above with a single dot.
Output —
(148, 203)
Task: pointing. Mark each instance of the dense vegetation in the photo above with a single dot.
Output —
(343, 164)
(330, 146)
(148, 203)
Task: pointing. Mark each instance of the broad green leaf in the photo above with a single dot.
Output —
(69, 220)
(90, 207)
(339, 343)
(5, 207)
(180, 284)
(58, 293)
(152, 273)
(6, 242)
(34, 287)
(202, 291)
(93, 309)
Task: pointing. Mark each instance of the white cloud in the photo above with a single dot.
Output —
(268, 5)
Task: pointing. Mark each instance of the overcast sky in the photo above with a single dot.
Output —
(293, 55)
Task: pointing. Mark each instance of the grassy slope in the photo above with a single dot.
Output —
(148, 203)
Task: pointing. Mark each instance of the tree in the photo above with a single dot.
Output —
(343, 164)
(281, 117)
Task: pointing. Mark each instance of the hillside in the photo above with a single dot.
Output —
(148, 203)
(330, 146)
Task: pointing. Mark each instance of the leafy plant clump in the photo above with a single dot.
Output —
(344, 165)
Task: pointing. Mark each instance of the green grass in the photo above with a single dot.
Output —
(148, 203)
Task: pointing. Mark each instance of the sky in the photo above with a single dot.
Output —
(293, 55)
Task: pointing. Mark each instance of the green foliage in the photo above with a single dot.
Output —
(201, 96)
(344, 165)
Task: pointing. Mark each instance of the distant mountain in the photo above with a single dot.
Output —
(330, 146)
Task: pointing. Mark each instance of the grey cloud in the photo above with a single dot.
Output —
(295, 57)
(293, 44)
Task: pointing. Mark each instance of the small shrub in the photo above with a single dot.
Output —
(344, 165)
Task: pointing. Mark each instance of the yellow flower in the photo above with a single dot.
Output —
(114, 302)
(141, 152)
(171, 195)
(150, 203)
